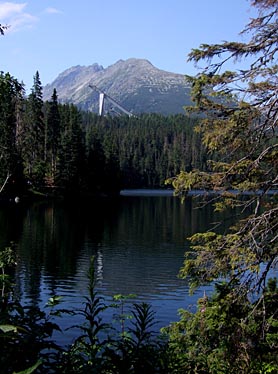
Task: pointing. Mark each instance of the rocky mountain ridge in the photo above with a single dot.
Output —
(134, 83)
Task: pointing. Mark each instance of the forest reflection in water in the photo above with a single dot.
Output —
(138, 243)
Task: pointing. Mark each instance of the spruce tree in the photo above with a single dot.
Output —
(239, 122)
(72, 151)
(34, 149)
(239, 111)
(53, 137)
(11, 101)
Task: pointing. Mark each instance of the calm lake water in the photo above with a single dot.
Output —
(138, 242)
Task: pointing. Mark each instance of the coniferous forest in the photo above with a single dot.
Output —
(53, 148)
(46, 147)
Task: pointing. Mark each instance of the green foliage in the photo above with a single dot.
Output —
(33, 144)
(122, 317)
(27, 345)
(235, 331)
(11, 101)
(144, 150)
(71, 154)
(101, 349)
(238, 122)
(226, 334)
(53, 137)
(26, 331)
(28, 341)
(31, 369)
(55, 148)
(7, 263)
(84, 356)
(215, 256)
(139, 350)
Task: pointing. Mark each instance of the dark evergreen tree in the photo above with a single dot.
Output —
(61, 146)
(95, 162)
(11, 97)
(34, 150)
(72, 152)
(238, 111)
(53, 138)
(148, 149)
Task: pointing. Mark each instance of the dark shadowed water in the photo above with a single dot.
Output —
(138, 243)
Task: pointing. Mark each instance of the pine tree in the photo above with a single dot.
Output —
(11, 100)
(71, 155)
(34, 149)
(239, 126)
(53, 137)
(239, 110)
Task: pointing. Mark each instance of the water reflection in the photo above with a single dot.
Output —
(138, 243)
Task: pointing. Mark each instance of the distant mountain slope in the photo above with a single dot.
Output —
(134, 83)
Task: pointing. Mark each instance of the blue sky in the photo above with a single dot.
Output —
(53, 35)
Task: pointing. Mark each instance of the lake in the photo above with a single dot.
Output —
(138, 241)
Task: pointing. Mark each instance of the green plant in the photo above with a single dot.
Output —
(84, 356)
(120, 303)
(139, 350)
(226, 334)
(7, 264)
(25, 331)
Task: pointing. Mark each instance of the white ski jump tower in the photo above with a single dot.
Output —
(103, 96)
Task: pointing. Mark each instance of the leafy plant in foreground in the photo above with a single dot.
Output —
(139, 349)
(103, 349)
(85, 354)
(25, 331)
(123, 316)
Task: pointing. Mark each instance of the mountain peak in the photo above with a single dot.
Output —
(134, 83)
